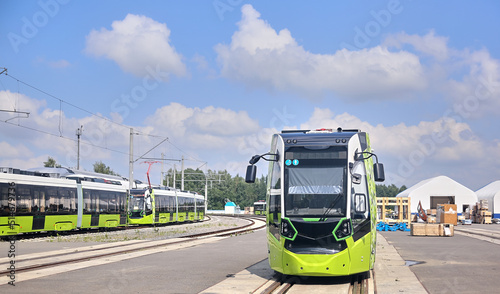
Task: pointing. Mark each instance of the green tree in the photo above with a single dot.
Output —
(100, 167)
(389, 191)
(51, 162)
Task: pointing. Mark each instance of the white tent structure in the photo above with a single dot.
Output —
(439, 190)
(491, 192)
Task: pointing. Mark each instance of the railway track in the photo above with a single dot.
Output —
(280, 284)
(480, 234)
(47, 263)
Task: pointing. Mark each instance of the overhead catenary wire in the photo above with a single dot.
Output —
(61, 101)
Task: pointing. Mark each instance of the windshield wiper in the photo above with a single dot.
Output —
(332, 205)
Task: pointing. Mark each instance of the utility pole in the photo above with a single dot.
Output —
(131, 161)
(174, 177)
(182, 174)
(78, 134)
(162, 162)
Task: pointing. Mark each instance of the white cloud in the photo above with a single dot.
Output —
(477, 94)
(468, 79)
(54, 64)
(209, 127)
(416, 152)
(429, 44)
(15, 151)
(51, 131)
(23, 162)
(260, 57)
(138, 44)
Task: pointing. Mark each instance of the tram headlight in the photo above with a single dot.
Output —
(287, 229)
(343, 230)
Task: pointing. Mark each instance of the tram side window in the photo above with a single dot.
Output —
(123, 202)
(163, 204)
(171, 206)
(276, 175)
(112, 196)
(86, 201)
(58, 200)
(94, 201)
(67, 200)
(38, 200)
(103, 198)
(52, 200)
(23, 199)
(190, 204)
(200, 206)
(182, 204)
(158, 203)
(4, 199)
(274, 217)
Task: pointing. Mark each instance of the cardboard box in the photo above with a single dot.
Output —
(431, 211)
(431, 219)
(417, 229)
(487, 219)
(447, 214)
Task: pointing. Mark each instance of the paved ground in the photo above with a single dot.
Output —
(188, 270)
(456, 264)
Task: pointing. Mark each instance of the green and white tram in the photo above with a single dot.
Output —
(321, 211)
(30, 202)
(259, 207)
(160, 205)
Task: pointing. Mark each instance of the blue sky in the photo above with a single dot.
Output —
(219, 77)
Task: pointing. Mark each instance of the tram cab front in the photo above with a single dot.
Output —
(321, 206)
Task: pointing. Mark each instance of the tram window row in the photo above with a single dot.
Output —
(166, 204)
(35, 199)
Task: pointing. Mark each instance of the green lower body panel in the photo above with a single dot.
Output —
(316, 265)
(181, 217)
(64, 226)
(7, 230)
(146, 220)
(355, 259)
(164, 218)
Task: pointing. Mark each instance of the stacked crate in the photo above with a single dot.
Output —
(481, 215)
(437, 230)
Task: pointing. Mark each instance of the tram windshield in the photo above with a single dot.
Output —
(139, 205)
(315, 182)
(136, 202)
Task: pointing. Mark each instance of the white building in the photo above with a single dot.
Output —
(231, 208)
(439, 190)
(491, 193)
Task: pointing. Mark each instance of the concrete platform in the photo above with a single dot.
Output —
(392, 275)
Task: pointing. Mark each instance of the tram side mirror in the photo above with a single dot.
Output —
(378, 172)
(251, 174)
